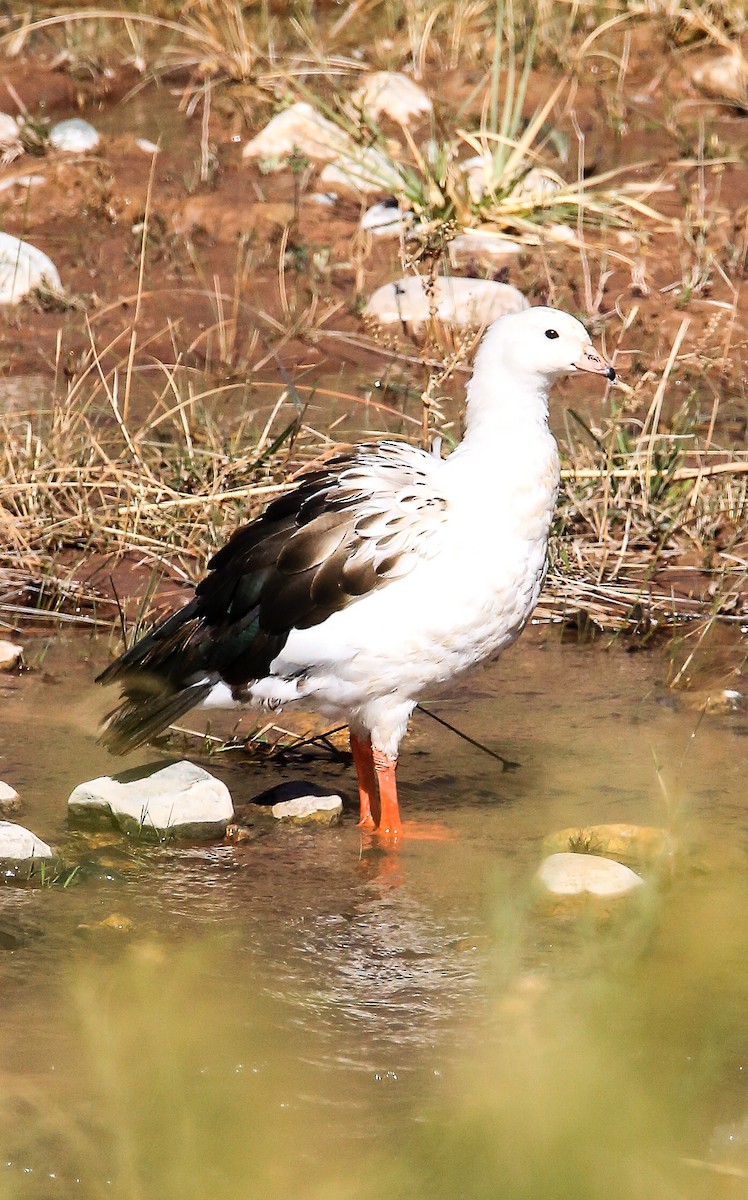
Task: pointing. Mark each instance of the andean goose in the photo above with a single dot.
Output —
(381, 577)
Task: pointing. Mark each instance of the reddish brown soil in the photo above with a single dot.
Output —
(84, 217)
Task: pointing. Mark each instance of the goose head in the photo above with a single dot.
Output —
(539, 345)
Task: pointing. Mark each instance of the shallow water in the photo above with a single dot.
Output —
(303, 1001)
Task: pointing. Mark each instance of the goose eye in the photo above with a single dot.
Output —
(551, 333)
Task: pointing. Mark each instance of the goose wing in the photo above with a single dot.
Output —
(361, 522)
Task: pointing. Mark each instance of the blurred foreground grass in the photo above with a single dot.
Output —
(611, 1066)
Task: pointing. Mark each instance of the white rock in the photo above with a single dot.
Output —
(11, 145)
(10, 655)
(461, 303)
(562, 233)
(537, 185)
(485, 247)
(305, 810)
(479, 175)
(26, 181)
(363, 170)
(74, 136)
(725, 77)
(23, 268)
(146, 146)
(574, 874)
(301, 129)
(386, 220)
(325, 199)
(9, 131)
(391, 93)
(182, 800)
(20, 845)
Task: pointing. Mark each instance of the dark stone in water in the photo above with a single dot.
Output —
(289, 791)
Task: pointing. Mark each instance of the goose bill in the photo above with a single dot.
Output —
(590, 360)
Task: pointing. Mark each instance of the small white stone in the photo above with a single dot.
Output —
(10, 655)
(537, 185)
(9, 131)
(324, 199)
(574, 874)
(301, 129)
(560, 233)
(309, 809)
(386, 220)
(26, 181)
(181, 799)
(479, 172)
(362, 169)
(23, 268)
(461, 303)
(725, 78)
(391, 93)
(20, 845)
(7, 793)
(485, 247)
(74, 136)
(11, 145)
(146, 146)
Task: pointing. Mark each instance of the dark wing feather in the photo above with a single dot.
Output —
(342, 533)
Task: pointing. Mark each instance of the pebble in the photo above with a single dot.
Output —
(560, 233)
(24, 268)
(484, 247)
(580, 874)
(386, 219)
(365, 170)
(19, 845)
(537, 185)
(9, 131)
(631, 843)
(309, 810)
(10, 654)
(725, 78)
(300, 129)
(393, 94)
(325, 199)
(460, 303)
(146, 146)
(27, 181)
(10, 801)
(74, 136)
(478, 171)
(180, 800)
(11, 145)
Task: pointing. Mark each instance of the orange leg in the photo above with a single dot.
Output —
(377, 788)
(389, 810)
(367, 782)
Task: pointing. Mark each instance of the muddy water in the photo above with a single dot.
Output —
(282, 1009)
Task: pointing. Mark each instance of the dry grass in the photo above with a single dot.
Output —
(118, 463)
(168, 481)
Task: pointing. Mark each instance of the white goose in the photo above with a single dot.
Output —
(381, 577)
